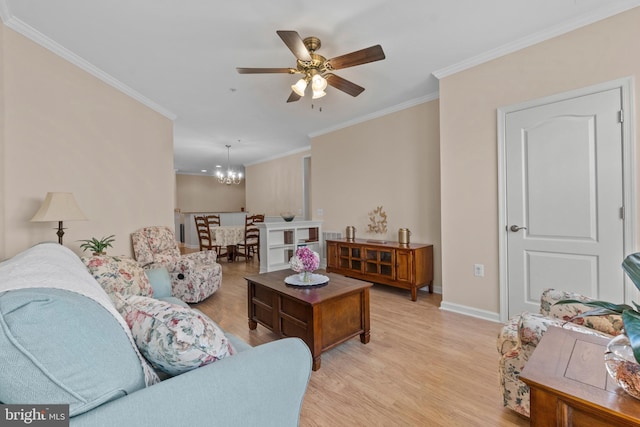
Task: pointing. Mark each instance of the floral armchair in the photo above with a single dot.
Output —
(522, 333)
(194, 276)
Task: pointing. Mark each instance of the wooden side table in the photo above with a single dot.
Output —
(570, 385)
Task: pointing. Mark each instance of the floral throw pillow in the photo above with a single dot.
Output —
(121, 275)
(174, 339)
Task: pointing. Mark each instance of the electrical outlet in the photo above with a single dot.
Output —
(478, 270)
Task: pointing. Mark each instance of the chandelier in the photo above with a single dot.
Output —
(231, 177)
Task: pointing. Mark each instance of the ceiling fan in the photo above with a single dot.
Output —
(316, 69)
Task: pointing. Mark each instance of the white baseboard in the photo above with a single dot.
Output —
(436, 289)
(470, 311)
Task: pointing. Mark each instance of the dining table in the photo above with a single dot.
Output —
(228, 236)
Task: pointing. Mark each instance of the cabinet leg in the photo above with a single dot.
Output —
(253, 324)
(414, 294)
(431, 287)
(316, 363)
(365, 337)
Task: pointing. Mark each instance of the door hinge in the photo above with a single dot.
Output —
(621, 212)
(621, 116)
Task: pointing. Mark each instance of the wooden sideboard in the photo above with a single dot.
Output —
(389, 263)
(570, 385)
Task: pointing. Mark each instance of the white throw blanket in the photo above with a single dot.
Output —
(51, 265)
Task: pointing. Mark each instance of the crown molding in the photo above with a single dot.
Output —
(44, 41)
(399, 107)
(380, 113)
(279, 156)
(581, 21)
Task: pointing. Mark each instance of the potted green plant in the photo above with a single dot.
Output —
(96, 246)
(622, 358)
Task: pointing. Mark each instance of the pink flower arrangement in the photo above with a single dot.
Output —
(304, 260)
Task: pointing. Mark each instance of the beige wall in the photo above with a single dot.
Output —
(276, 186)
(3, 73)
(199, 193)
(65, 130)
(392, 161)
(469, 100)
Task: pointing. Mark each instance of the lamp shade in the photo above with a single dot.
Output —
(299, 87)
(317, 95)
(318, 83)
(58, 207)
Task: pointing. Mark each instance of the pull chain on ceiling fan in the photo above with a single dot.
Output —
(316, 69)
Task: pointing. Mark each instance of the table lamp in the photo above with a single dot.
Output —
(59, 207)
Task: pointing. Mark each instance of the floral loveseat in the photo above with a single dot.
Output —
(62, 341)
(194, 276)
(522, 333)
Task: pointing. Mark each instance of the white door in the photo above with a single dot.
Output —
(564, 199)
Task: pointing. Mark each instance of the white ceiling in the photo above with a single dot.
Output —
(179, 57)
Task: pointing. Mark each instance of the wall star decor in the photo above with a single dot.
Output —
(378, 219)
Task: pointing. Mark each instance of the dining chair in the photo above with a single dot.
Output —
(204, 234)
(251, 243)
(213, 220)
(205, 239)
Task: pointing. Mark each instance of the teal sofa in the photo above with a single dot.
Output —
(61, 342)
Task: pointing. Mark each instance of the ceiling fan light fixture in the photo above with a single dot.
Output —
(318, 83)
(317, 94)
(299, 87)
(312, 65)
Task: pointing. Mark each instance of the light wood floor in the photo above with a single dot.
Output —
(422, 367)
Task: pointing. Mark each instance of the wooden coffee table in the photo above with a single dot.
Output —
(323, 316)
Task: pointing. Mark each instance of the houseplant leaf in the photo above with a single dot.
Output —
(631, 320)
(96, 245)
(631, 265)
(602, 308)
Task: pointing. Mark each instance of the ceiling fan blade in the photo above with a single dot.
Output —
(266, 70)
(370, 54)
(293, 97)
(343, 84)
(294, 42)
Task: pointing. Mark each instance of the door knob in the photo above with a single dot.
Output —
(515, 228)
